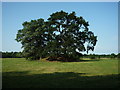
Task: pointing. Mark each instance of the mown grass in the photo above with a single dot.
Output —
(20, 73)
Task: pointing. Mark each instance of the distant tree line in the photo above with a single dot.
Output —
(91, 56)
(96, 56)
(11, 54)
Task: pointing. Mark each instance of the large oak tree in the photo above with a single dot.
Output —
(62, 37)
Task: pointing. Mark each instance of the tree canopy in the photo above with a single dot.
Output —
(64, 35)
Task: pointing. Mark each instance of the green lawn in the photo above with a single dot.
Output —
(20, 73)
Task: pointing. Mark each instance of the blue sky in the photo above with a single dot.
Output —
(102, 17)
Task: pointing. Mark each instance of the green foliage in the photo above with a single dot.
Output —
(62, 34)
(11, 54)
(118, 55)
(113, 55)
(96, 56)
(32, 38)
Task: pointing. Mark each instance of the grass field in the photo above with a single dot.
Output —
(20, 73)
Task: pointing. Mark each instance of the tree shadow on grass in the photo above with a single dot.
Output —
(58, 80)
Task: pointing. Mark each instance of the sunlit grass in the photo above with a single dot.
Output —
(20, 69)
(100, 67)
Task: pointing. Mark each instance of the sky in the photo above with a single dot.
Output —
(102, 17)
(60, 0)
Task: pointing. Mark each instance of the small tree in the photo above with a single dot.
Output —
(112, 55)
(118, 55)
